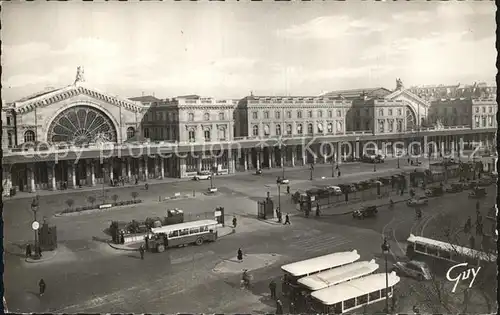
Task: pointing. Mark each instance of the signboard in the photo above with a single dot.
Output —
(177, 194)
(35, 225)
(105, 206)
(218, 213)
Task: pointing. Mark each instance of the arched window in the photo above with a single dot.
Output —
(10, 139)
(130, 132)
(310, 129)
(29, 136)
(206, 134)
(206, 116)
(320, 128)
(255, 130)
(339, 126)
(146, 132)
(299, 114)
(191, 135)
(221, 116)
(190, 117)
(266, 130)
(320, 113)
(299, 129)
(289, 129)
(329, 127)
(278, 130)
(222, 133)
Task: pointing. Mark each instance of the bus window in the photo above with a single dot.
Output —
(444, 254)
(173, 233)
(374, 295)
(432, 251)
(420, 248)
(349, 304)
(184, 232)
(204, 228)
(194, 230)
(337, 308)
(382, 292)
(363, 299)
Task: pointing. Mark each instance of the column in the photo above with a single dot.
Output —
(123, 168)
(71, 174)
(51, 172)
(245, 159)
(304, 156)
(146, 167)
(182, 167)
(90, 173)
(140, 174)
(31, 177)
(162, 167)
(157, 167)
(269, 157)
(292, 160)
(110, 169)
(325, 154)
(129, 168)
(200, 166)
(230, 161)
(258, 159)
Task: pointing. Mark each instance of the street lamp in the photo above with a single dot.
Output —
(385, 250)
(333, 167)
(34, 208)
(375, 165)
(278, 183)
(311, 169)
(212, 180)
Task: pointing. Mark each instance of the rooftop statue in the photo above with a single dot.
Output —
(399, 84)
(79, 75)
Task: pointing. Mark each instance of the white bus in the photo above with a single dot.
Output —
(294, 271)
(348, 296)
(196, 232)
(423, 246)
(338, 275)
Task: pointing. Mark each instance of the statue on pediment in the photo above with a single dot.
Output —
(439, 124)
(399, 84)
(79, 75)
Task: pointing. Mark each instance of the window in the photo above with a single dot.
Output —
(348, 304)
(173, 234)
(206, 116)
(329, 127)
(29, 136)
(419, 248)
(266, 130)
(375, 295)
(382, 292)
(339, 126)
(255, 130)
(363, 299)
(191, 135)
(339, 113)
(289, 114)
(320, 128)
(490, 121)
(206, 134)
(266, 115)
(400, 126)
(309, 113)
(391, 125)
(390, 112)
(289, 129)
(299, 114)
(320, 113)
(8, 119)
(490, 110)
(10, 139)
(194, 230)
(477, 109)
(381, 112)
(221, 116)
(310, 129)
(190, 117)
(299, 129)
(277, 115)
(184, 232)
(130, 132)
(476, 122)
(278, 130)
(484, 109)
(255, 115)
(204, 228)
(146, 132)
(222, 133)
(400, 112)
(444, 254)
(330, 114)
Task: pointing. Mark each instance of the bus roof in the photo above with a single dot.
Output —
(181, 226)
(472, 253)
(357, 287)
(338, 275)
(313, 265)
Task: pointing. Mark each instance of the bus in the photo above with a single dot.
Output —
(294, 271)
(196, 232)
(348, 296)
(338, 275)
(433, 249)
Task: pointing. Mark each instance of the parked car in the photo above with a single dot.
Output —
(334, 190)
(455, 188)
(284, 181)
(413, 269)
(478, 193)
(258, 172)
(363, 185)
(365, 212)
(203, 175)
(417, 201)
(434, 191)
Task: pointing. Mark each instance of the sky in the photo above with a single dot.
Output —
(227, 50)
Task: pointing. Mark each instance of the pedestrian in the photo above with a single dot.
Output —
(292, 309)
(279, 307)
(146, 186)
(141, 251)
(338, 174)
(408, 160)
(42, 286)
(136, 180)
(122, 238)
(272, 288)
(287, 219)
(288, 190)
(28, 250)
(240, 255)
(146, 242)
(478, 205)
(234, 221)
(472, 242)
(317, 209)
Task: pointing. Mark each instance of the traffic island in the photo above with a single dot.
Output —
(126, 247)
(46, 256)
(96, 208)
(249, 262)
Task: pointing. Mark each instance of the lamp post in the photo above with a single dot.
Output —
(375, 165)
(398, 161)
(212, 179)
(333, 167)
(34, 208)
(311, 169)
(282, 161)
(278, 183)
(385, 250)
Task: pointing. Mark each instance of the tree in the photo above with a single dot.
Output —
(115, 198)
(91, 200)
(134, 195)
(70, 203)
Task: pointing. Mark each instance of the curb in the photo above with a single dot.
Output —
(233, 231)
(69, 214)
(176, 198)
(120, 248)
(35, 261)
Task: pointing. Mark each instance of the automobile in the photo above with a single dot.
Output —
(434, 191)
(365, 212)
(258, 172)
(417, 201)
(352, 188)
(203, 175)
(284, 181)
(363, 185)
(454, 188)
(413, 268)
(334, 190)
(478, 193)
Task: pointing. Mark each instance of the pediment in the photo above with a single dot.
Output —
(406, 95)
(55, 96)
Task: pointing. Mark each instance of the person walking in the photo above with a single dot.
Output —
(235, 221)
(287, 219)
(42, 286)
(288, 190)
(141, 251)
(317, 209)
(472, 242)
(28, 250)
(239, 256)
(272, 288)
(279, 307)
(338, 173)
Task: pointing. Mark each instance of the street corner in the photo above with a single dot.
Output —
(133, 247)
(46, 256)
(249, 262)
(61, 254)
(225, 231)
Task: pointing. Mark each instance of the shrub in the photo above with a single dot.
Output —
(115, 198)
(70, 203)
(91, 200)
(78, 209)
(134, 194)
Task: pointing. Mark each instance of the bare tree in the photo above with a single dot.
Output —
(70, 203)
